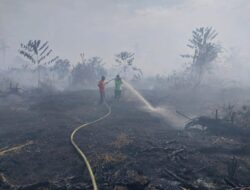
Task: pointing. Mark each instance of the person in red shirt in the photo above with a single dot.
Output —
(101, 85)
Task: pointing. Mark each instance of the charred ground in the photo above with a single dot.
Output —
(131, 149)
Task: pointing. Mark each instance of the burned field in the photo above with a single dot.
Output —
(131, 149)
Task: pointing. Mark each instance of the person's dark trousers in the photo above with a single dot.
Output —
(102, 96)
(118, 94)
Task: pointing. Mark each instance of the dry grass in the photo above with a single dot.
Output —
(122, 140)
(111, 158)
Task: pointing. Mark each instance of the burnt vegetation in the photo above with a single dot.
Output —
(134, 148)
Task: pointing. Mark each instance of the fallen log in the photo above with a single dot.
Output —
(167, 149)
(176, 152)
(229, 182)
(184, 182)
(4, 184)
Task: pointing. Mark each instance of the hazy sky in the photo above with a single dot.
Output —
(156, 30)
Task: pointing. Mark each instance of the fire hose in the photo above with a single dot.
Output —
(80, 152)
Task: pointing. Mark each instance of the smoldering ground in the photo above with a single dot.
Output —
(183, 118)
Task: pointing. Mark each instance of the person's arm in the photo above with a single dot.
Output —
(109, 81)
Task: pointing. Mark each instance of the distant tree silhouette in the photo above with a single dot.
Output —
(37, 53)
(125, 61)
(61, 67)
(205, 51)
(88, 71)
(3, 48)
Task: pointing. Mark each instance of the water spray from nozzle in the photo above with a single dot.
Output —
(167, 113)
(138, 95)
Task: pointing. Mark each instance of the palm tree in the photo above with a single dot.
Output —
(37, 53)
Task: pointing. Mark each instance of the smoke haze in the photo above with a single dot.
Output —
(157, 31)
